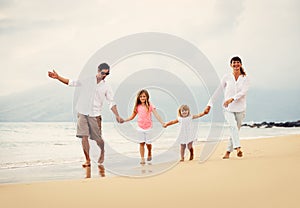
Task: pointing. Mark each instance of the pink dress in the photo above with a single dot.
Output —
(144, 116)
(144, 124)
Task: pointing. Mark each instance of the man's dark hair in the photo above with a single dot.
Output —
(103, 66)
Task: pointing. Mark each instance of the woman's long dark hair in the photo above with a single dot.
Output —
(236, 58)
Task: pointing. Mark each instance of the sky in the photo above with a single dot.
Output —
(37, 36)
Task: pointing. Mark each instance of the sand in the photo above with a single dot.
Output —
(267, 176)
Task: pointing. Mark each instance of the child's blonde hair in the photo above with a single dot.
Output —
(184, 107)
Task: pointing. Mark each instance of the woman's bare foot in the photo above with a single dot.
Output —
(239, 153)
(226, 156)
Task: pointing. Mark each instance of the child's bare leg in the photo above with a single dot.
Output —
(142, 152)
(149, 147)
(190, 146)
(182, 150)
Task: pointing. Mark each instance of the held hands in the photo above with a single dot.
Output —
(206, 110)
(119, 119)
(53, 74)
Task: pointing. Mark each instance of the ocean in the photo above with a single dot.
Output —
(31, 152)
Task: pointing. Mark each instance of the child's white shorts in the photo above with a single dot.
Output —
(144, 135)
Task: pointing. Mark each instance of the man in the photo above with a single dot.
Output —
(92, 91)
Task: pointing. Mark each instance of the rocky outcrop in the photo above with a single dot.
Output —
(272, 124)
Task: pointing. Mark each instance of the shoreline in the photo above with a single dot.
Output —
(267, 176)
(73, 170)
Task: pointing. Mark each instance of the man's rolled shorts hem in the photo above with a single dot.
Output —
(89, 126)
(81, 136)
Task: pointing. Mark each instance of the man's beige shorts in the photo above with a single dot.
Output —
(89, 126)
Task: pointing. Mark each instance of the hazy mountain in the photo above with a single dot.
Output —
(47, 103)
(53, 102)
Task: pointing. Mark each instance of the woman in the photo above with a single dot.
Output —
(235, 86)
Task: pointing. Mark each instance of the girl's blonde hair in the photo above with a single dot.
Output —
(138, 102)
(184, 107)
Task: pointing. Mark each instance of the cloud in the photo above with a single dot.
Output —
(268, 38)
(38, 36)
(227, 15)
(265, 34)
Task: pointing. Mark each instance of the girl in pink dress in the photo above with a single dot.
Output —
(143, 108)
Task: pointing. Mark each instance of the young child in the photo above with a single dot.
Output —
(143, 108)
(186, 134)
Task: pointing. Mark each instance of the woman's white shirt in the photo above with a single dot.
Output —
(236, 89)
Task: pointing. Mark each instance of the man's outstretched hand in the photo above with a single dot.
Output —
(53, 74)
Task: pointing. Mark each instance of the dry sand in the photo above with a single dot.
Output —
(267, 176)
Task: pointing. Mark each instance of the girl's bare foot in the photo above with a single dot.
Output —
(226, 156)
(149, 158)
(142, 161)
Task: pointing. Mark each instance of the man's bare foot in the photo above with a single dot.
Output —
(226, 156)
(86, 164)
(101, 170)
